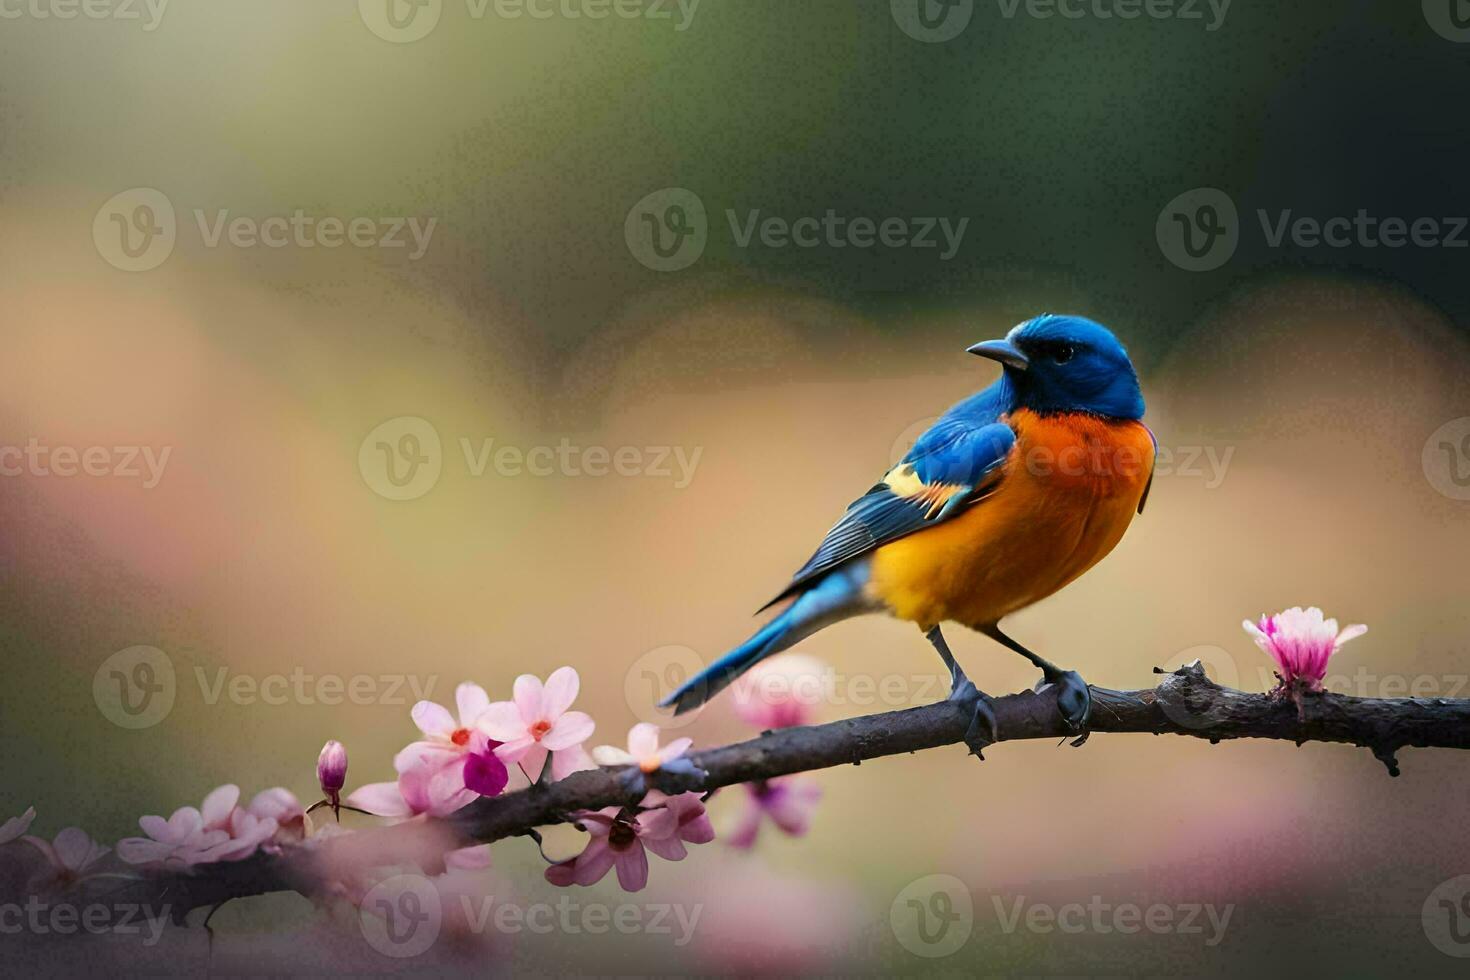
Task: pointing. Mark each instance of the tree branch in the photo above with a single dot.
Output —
(1185, 702)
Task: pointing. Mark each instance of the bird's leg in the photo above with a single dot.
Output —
(1074, 701)
(982, 730)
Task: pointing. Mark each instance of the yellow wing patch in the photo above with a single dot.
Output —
(904, 482)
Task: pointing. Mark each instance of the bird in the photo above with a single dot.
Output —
(1012, 494)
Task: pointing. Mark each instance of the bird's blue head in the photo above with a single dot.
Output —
(1067, 364)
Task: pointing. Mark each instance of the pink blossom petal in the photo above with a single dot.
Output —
(662, 822)
(1350, 633)
(596, 822)
(632, 865)
(642, 740)
(183, 824)
(433, 719)
(674, 750)
(594, 862)
(75, 850)
(567, 761)
(416, 754)
(219, 804)
(16, 826)
(382, 799)
(559, 693)
(611, 755)
(278, 803)
(471, 700)
(527, 696)
(515, 749)
(141, 850)
(485, 774)
(502, 721)
(747, 826)
(447, 790)
(668, 848)
(572, 728)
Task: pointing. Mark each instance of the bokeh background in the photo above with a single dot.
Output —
(1306, 392)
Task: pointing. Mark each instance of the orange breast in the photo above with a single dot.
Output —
(1071, 486)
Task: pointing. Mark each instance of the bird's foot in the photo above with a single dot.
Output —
(1074, 700)
(983, 730)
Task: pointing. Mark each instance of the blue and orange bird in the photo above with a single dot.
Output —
(1011, 495)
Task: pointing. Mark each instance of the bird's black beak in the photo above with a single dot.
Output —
(1003, 351)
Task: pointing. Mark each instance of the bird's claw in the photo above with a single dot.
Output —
(1074, 700)
(983, 730)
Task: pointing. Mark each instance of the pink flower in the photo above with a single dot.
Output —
(788, 801)
(1300, 641)
(642, 751)
(617, 840)
(70, 855)
(278, 804)
(214, 832)
(537, 722)
(782, 692)
(450, 766)
(409, 798)
(16, 826)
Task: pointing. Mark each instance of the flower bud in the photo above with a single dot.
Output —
(331, 769)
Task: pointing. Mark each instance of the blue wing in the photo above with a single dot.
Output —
(957, 462)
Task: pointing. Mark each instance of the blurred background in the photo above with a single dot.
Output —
(420, 343)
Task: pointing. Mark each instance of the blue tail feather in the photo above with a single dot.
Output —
(836, 596)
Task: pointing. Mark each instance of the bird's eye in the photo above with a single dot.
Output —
(1063, 353)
